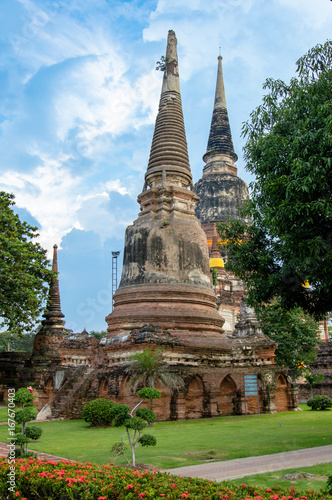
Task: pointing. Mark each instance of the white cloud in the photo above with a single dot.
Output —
(313, 14)
(97, 98)
(60, 201)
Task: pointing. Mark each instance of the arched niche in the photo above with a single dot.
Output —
(194, 398)
(49, 386)
(162, 405)
(103, 389)
(282, 399)
(227, 396)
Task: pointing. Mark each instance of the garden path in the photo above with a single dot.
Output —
(233, 469)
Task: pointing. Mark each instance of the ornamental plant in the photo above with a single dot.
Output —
(98, 412)
(134, 422)
(28, 412)
(320, 402)
(47, 479)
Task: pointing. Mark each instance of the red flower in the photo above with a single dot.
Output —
(17, 494)
(129, 486)
(102, 498)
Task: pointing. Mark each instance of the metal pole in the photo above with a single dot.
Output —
(114, 273)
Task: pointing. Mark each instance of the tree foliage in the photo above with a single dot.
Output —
(295, 331)
(25, 397)
(24, 271)
(148, 368)
(14, 342)
(135, 422)
(288, 149)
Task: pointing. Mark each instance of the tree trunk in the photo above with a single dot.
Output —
(132, 447)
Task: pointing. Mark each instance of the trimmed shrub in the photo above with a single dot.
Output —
(24, 396)
(146, 414)
(25, 415)
(33, 432)
(147, 440)
(98, 412)
(320, 402)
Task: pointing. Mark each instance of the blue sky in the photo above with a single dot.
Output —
(78, 100)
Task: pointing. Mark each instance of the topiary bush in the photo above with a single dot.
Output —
(146, 414)
(98, 412)
(33, 432)
(320, 402)
(23, 416)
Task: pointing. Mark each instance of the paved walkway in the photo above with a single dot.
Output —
(233, 469)
(4, 450)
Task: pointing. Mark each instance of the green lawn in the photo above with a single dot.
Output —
(192, 441)
(270, 479)
(3, 414)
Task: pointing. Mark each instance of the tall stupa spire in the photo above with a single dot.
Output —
(220, 155)
(165, 275)
(53, 331)
(54, 303)
(220, 190)
(169, 154)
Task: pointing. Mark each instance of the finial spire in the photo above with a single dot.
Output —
(169, 154)
(171, 73)
(54, 304)
(220, 144)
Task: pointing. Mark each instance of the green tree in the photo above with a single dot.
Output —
(288, 149)
(148, 368)
(23, 416)
(14, 342)
(295, 331)
(98, 335)
(24, 271)
(135, 421)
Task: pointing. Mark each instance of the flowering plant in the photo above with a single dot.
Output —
(65, 480)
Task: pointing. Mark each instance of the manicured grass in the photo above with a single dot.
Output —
(192, 441)
(3, 414)
(277, 478)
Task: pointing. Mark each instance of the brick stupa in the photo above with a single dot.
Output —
(166, 279)
(52, 332)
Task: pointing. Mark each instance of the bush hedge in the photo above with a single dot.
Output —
(320, 402)
(98, 412)
(46, 479)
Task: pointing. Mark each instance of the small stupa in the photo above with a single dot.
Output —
(166, 279)
(52, 332)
